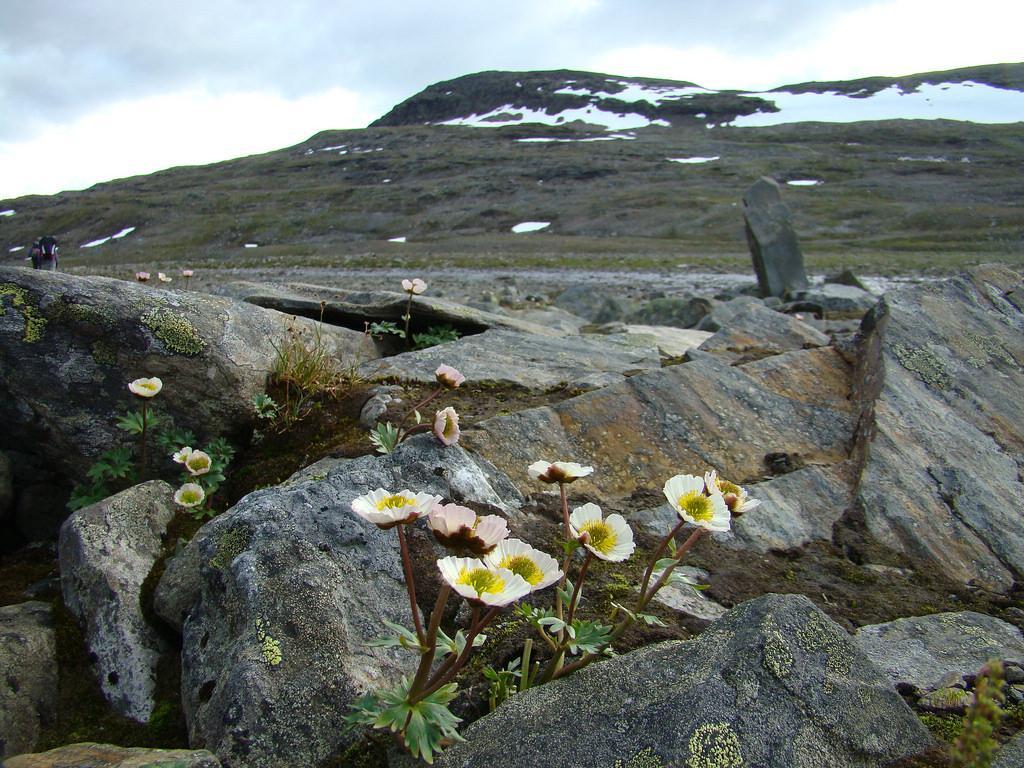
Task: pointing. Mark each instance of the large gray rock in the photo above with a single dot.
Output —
(1011, 755)
(672, 312)
(774, 248)
(774, 683)
(692, 417)
(90, 755)
(838, 300)
(86, 338)
(745, 329)
(919, 651)
(942, 376)
(106, 550)
(28, 688)
(292, 586)
(525, 360)
(593, 304)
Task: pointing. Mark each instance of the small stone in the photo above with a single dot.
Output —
(946, 700)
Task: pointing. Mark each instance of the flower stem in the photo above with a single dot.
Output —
(408, 317)
(447, 672)
(579, 587)
(524, 669)
(657, 554)
(416, 407)
(142, 451)
(430, 652)
(410, 585)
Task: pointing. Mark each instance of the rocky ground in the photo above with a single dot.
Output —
(847, 616)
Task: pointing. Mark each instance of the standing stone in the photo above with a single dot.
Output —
(778, 262)
(106, 550)
(28, 687)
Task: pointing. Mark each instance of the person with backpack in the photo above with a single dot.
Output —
(33, 253)
(48, 253)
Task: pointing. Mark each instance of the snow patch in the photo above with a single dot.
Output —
(804, 182)
(652, 94)
(396, 239)
(512, 115)
(94, 243)
(252, 245)
(16, 248)
(122, 233)
(8, 212)
(925, 159)
(530, 226)
(693, 160)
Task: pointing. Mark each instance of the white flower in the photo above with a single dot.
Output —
(163, 278)
(190, 495)
(460, 529)
(609, 538)
(736, 498)
(538, 568)
(478, 583)
(414, 286)
(446, 426)
(198, 462)
(386, 510)
(187, 272)
(558, 472)
(182, 455)
(448, 376)
(142, 277)
(146, 387)
(686, 494)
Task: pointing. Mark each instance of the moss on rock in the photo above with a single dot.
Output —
(175, 331)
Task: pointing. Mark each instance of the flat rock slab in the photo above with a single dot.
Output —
(671, 342)
(89, 755)
(88, 337)
(292, 585)
(920, 650)
(692, 417)
(28, 689)
(106, 551)
(352, 309)
(942, 478)
(533, 362)
(773, 683)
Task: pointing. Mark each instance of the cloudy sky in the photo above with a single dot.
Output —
(92, 90)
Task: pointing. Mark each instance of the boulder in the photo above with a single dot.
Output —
(773, 683)
(692, 417)
(846, 277)
(106, 551)
(671, 342)
(28, 689)
(89, 755)
(745, 329)
(838, 300)
(778, 261)
(292, 586)
(533, 362)
(592, 304)
(673, 312)
(86, 338)
(941, 379)
(1011, 755)
(920, 650)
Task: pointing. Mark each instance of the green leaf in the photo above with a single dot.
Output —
(589, 636)
(385, 438)
(403, 638)
(131, 422)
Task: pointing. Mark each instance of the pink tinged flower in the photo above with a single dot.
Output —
(146, 387)
(558, 472)
(142, 277)
(415, 286)
(386, 509)
(695, 503)
(187, 272)
(458, 528)
(446, 426)
(198, 463)
(735, 497)
(190, 495)
(181, 456)
(538, 568)
(448, 376)
(608, 538)
(482, 584)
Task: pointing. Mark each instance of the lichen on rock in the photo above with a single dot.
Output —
(926, 364)
(714, 745)
(174, 330)
(35, 322)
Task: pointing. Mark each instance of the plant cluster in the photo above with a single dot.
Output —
(975, 746)
(445, 426)
(492, 571)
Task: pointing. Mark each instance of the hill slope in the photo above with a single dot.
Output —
(893, 194)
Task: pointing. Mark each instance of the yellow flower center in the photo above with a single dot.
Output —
(394, 502)
(726, 487)
(191, 497)
(523, 566)
(602, 537)
(481, 580)
(696, 505)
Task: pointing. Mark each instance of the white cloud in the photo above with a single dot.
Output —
(887, 38)
(187, 127)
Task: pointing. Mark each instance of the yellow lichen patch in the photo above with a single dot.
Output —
(714, 745)
(984, 349)
(35, 323)
(174, 330)
(230, 545)
(271, 648)
(926, 364)
(818, 634)
(778, 659)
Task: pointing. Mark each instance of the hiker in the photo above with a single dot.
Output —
(33, 253)
(48, 253)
